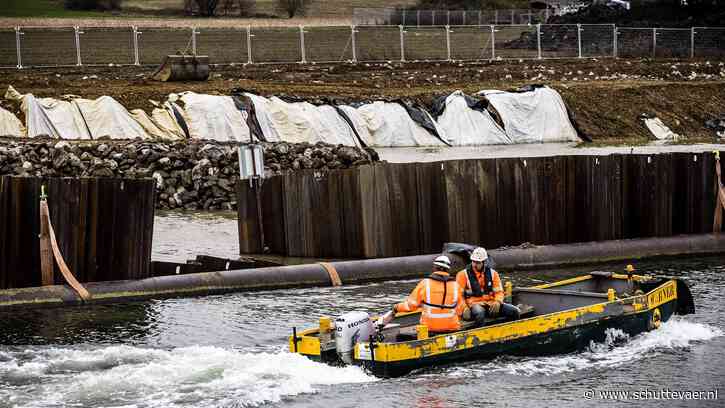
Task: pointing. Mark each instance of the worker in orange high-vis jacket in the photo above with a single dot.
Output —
(483, 290)
(439, 296)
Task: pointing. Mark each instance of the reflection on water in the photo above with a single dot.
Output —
(179, 236)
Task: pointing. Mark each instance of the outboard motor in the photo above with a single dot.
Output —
(350, 329)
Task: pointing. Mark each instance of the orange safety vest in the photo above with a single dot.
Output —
(441, 299)
(497, 294)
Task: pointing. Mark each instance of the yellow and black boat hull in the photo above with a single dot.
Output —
(550, 333)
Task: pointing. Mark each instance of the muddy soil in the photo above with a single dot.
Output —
(606, 96)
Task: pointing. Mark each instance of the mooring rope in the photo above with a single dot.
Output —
(67, 274)
(719, 197)
(334, 277)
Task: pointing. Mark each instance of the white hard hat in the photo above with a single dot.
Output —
(443, 262)
(479, 255)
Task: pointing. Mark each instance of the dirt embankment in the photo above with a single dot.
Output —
(606, 96)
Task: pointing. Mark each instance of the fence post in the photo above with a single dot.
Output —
(493, 42)
(193, 41)
(692, 42)
(538, 40)
(448, 43)
(302, 45)
(654, 43)
(417, 18)
(448, 17)
(495, 18)
(402, 44)
(249, 45)
(579, 39)
(464, 18)
(512, 17)
(136, 33)
(354, 46)
(77, 33)
(479, 17)
(18, 33)
(616, 36)
(403, 17)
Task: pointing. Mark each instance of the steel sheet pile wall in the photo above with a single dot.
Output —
(387, 210)
(104, 228)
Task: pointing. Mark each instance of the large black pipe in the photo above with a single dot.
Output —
(358, 271)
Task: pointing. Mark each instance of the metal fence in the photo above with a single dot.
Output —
(393, 16)
(25, 47)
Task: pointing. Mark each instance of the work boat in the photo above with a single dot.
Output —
(555, 318)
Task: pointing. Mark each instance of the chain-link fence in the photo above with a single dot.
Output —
(79, 46)
(222, 45)
(708, 42)
(393, 16)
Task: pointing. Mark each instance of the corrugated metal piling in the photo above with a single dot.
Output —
(104, 228)
(386, 210)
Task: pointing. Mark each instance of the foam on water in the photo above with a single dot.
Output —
(191, 376)
(618, 349)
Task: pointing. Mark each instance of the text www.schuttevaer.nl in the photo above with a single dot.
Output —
(652, 394)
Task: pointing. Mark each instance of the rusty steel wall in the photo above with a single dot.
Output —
(386, 209)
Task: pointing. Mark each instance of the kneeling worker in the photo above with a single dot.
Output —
(483, 290)
(440, 297)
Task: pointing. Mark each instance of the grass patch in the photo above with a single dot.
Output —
(42, 8)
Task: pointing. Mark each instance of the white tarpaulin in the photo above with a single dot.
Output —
(535, 116)
(464, 126)
(358, 121)
(153, 130)
(389, 125)
(105, 117)
(165, 120)
(214, 117)
(299, 122)
(77, 118)
(48, 116)
(659, 129)
(10, 125)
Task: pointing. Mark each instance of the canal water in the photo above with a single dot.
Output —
(230, 350)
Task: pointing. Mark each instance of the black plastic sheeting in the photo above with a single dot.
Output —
(477, 103)
(180, 120)
(717, 125)
(244, 104)
(419, 116)
(480, 104)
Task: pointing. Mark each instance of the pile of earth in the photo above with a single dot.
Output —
(662, 15)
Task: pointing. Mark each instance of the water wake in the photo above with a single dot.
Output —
(191, 376)
(618, 349)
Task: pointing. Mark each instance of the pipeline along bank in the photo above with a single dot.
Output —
(355, 272)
